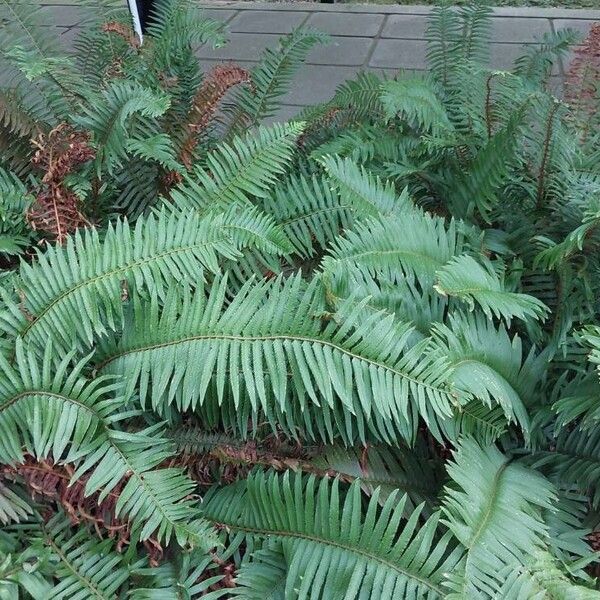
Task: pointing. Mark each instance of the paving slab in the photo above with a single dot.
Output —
(315, 84)
(348, 51)
(347, 24)
(379, 37)
(220, 14)
(400, 54)
(580, 25)
(241, 46)
(263, 21)
(513, 29)
(405, 27)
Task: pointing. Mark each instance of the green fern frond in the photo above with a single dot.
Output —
(108, 116)
(369, 193)
(333, 547)
(310, 213)
(13, 508)
(491, 365)
(415, 101)
(84, 567)
(246, 168)
(476, 283)
(397, 246)
(184, 576)
(73, 293)
(413, 472)
(271, 78)
(264, 357)
(50, 410)
(541, 578)
(262, 577)
(493, 508)
(158, 148)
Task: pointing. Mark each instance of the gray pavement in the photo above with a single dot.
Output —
(382, 38)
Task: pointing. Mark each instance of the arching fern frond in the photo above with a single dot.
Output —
(410, 471)
(85, 568)
(369, 193)
(185, 575)
(107, 118)
(410, 243)
(74, 292)
(493, 508)
(476, 283)
(248, 167)
(332, 547)
(51, 410)
(309, 212)
(415, 101)
(271, 78)
(269, 349)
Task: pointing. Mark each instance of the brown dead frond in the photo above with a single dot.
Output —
(206, 101)
(55, 210)
(582, 86)
(123, 31)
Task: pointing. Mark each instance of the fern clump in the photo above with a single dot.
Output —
(350, 356)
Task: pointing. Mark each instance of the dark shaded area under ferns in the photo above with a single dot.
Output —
(350, 356)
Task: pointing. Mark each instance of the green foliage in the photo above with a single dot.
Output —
(351, 356)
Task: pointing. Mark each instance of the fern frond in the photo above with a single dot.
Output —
(542, 577)
(184, 575)
(412, 472)
(73, 293)
(332, 547)
(477, 283)
(415, 101)
(107, 118)
(491, 365)
(247, 167)
(85, 568)
(397, 246)
(13, 508)
(493, 509)
(271, 78)
(369, 193)
(310, 212)
(260, 356)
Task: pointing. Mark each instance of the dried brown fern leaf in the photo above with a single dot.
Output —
(582, 86)
(206, 101)
(55, 210)
(123, 31)
(51, 483)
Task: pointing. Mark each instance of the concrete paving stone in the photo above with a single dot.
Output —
(556, 85)
(263, 21)
(390, 9)
(549, 13)
(342, 51)
(318, 7)
(314, 84)
(364, 25)
(580, 25)
(219, 14)
(405, 27)
(512, 29)
(65, 16)
(400, 54)
(285, 113)
(503, 56)
(241, 46)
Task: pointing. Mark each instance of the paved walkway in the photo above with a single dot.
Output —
(383, 38)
